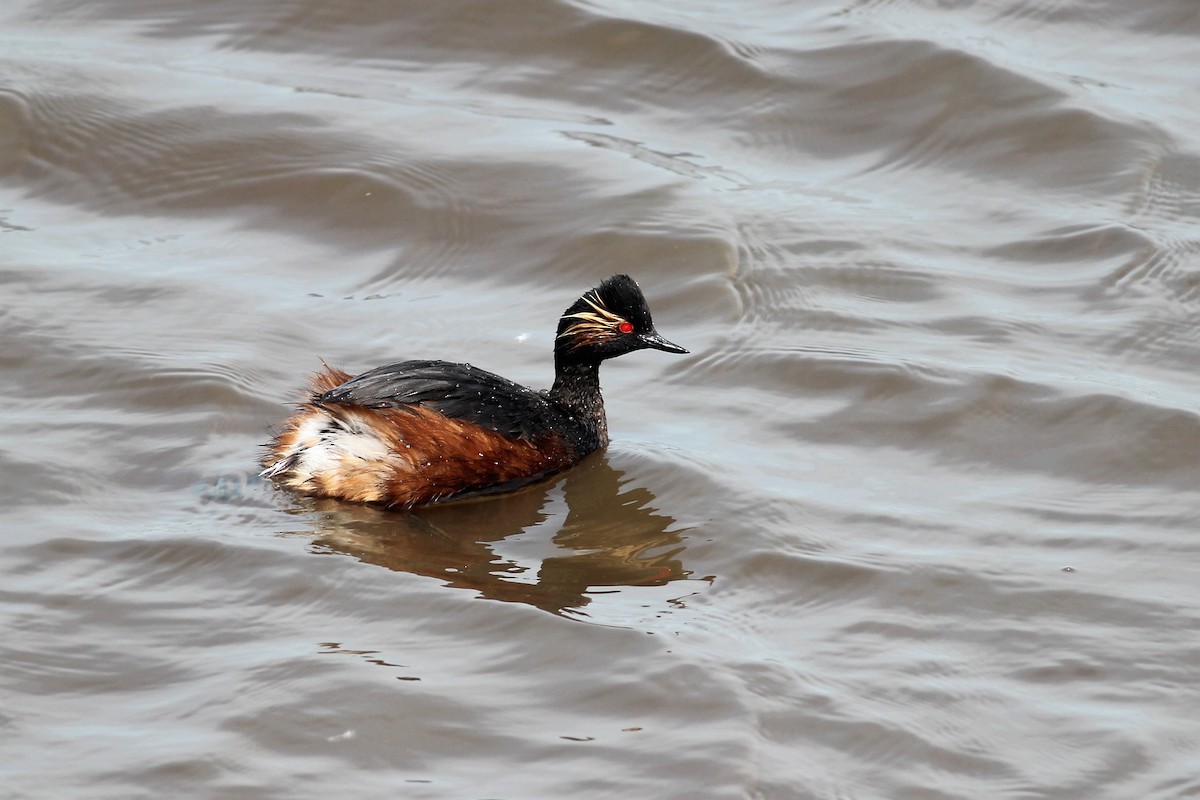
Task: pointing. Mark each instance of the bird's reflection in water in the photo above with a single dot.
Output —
(585, 533)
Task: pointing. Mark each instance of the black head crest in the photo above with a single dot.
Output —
(619, 295)
(609, 320)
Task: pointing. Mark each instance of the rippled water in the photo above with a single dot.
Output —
(915, 520)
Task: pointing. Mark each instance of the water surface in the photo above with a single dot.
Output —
(914, 520)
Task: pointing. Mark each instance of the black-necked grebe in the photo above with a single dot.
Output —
(420, 432)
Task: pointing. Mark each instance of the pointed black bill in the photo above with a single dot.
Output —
(652, 339)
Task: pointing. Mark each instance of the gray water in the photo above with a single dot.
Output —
(916, 519)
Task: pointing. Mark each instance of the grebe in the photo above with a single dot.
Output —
(420, 432)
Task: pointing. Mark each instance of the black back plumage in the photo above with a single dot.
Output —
(594, 328)
(457, 391)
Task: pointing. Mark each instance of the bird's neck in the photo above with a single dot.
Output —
(576, 390)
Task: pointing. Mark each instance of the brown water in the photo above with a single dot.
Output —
(917, 519)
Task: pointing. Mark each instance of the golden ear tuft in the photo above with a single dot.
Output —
(593, 327)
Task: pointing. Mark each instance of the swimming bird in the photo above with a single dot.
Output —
(419, 432)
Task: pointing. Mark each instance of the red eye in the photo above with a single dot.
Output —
(625, 327)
